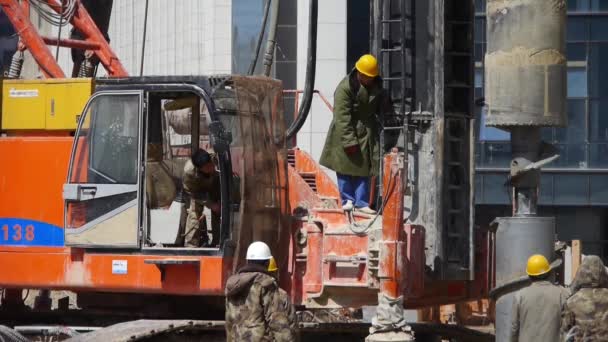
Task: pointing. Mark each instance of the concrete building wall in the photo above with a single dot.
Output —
(183, 37)
(330, 68)
(30, 68)
(186, 37)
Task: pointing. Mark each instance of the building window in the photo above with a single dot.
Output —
(587, 5)
(357, 31)
(246, 24)
(599, 189)
(480, 6)
(247, 17)
(570, 189)
(576, 52)
(598, 80)
(599, 131)
(480, 38)
(576, 29)
(577, 82)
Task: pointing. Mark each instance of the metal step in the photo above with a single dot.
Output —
(291, 158)
(310, 178)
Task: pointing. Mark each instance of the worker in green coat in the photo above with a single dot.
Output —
(352, 144)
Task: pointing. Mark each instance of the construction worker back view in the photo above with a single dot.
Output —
(537, 308)
(255, 309)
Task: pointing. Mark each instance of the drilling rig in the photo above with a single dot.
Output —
(101, 228)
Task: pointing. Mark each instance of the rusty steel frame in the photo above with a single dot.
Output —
(392, 248)
(29, 36)
(72, 43)
(82, 21)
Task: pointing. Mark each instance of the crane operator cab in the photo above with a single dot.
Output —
(179, 163)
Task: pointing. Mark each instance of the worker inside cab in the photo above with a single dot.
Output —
(201, 183)
(183, 191)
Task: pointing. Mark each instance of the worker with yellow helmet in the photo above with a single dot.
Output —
(352, 147)
(537, 307)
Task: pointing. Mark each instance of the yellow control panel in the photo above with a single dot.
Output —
(52, 104)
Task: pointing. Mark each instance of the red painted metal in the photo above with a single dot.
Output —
(313, 279)
(298, 92)
(413, 286)
(325, 185)
(31, 39)
(71, 43)
(392, 250)
(85, 24)
(25, 4)
(37, 45)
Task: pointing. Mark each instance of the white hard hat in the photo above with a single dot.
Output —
(258, 251)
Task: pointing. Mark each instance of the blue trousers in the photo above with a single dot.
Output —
(354, 189)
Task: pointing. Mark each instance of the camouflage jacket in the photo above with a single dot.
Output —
(585, 314)
(256, 308)
(197, 184)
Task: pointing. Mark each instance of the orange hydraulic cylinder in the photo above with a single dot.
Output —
(392, 245)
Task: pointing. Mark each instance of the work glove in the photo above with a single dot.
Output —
(350, 150)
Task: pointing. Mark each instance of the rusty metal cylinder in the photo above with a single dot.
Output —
(525, 63)
(518, 238)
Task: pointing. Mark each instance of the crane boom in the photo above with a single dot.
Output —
(81, 21)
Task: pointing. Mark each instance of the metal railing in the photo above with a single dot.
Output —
(297, 93)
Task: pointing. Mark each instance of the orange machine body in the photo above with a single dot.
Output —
(32, 247)
(32, 251)
(329, 258)
(334, 266)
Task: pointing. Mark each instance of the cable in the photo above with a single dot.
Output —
(311, 63)
(143, 44)
(254, 61)
(26, 295)
(59, 34)
(271, 41)
(49, 15)
(364, 228)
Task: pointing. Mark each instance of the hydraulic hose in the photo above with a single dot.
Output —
(271, 43)
(258, 45)
(311, 62)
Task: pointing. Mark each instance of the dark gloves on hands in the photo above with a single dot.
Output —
(350, 150)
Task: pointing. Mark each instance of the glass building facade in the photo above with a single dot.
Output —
(574, 188)
(247, 18)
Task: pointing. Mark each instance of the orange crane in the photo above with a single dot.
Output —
(91, 200)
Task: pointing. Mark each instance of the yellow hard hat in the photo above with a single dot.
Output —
(537, 265)
(272, 265)
(367, 65)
